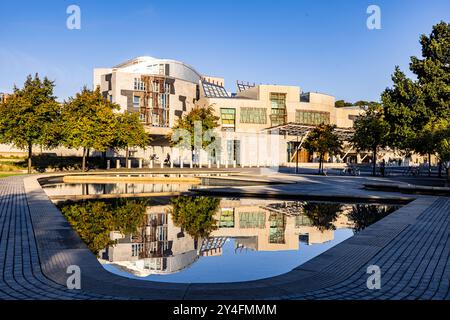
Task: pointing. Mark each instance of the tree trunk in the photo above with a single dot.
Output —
(126, 157)
(320, 163)
(83, 164)
(374, 160)
(429, 164)
(30, 153)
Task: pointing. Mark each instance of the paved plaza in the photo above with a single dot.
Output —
(411, 246)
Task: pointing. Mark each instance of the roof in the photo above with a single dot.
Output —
(213, 90)
(297, 129)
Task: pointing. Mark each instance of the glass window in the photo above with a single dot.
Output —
(228, 116)
(253, 115)
(139, 85)
(227, 218)
(249, 220)
(136, 101)
(312, 117)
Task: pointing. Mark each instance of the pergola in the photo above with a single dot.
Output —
(301, 131)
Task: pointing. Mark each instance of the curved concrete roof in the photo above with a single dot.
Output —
(150, 65)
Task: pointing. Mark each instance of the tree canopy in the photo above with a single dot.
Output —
(371, 131)
(89, 122)
(415, 108)
(31, 116)
(322, 139)
(195, 214)
(129, 132)
(95, 220)
(204, 116)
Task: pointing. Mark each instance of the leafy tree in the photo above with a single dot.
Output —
(89, 122)
(342, 104)
(130, 133)
(195, 214)
(411, 105)
(363, 215)
(322, 215)
(31, 116)
(95, 220)
(187, 126)
(371, 132)
(322, 139)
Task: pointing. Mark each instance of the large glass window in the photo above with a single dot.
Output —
(312, 117)
(254, 115)
(278, 103)
(227, 218)
(228, 116)
(252, 220)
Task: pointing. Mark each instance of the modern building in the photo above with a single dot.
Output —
(162, 91)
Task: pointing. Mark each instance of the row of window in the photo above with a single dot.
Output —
(157, 86)
(312, 117)
(247, 220)
(259, 116)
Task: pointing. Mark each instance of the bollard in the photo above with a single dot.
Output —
(218, 164)
(108, 164)
(209, 164)
(162, 165)
(226, 164)
(171, 164)
(118, 164)
(190, 164)
(181, 164)
(151, 164)
(140, 163)
(129, 164)
(234, 163)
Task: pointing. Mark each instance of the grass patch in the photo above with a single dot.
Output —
(4, 175)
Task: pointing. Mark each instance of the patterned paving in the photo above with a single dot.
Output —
(411, 246)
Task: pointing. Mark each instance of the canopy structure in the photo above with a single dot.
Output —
(299, 130)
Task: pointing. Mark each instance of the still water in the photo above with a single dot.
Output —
(204, 239)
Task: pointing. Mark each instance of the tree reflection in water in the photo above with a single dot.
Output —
(195, 215)
(363, 215)
(322, 215)
(95, 220)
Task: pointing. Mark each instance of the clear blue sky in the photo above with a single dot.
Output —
(318, 45)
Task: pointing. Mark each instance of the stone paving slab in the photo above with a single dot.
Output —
(411, 246)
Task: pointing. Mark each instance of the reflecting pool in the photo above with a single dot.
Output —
(205, 239)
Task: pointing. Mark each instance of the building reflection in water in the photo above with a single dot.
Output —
(161, 247)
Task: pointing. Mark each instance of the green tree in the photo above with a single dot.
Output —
(130, 133)
(195, 214)
(371, 132)
(31, 116)
(95, 220)
(322, 215)
(412, 106)
(188, 132)
(363, 215)
(322, 139)
(89, 122)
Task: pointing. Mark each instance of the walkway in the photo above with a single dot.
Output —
(411, 246)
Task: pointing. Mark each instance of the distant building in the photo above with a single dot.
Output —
(163, 90)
